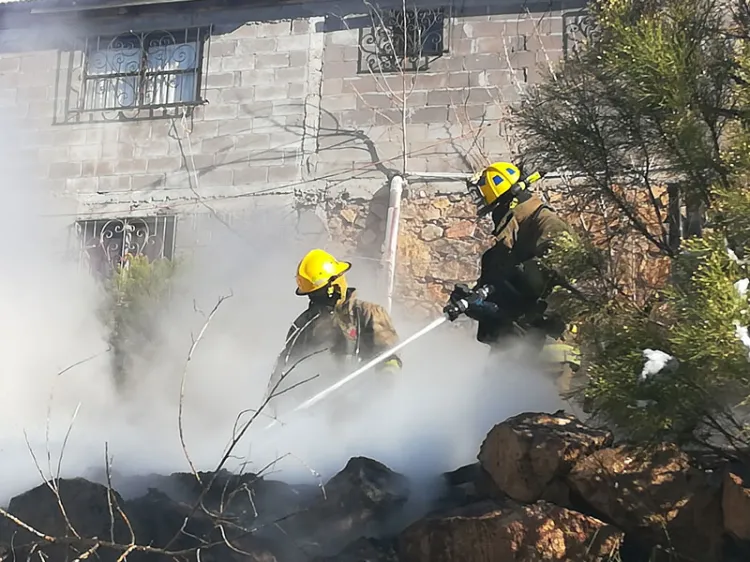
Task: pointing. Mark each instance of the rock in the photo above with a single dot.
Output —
(358, 500)
(454, 248)
(655, 496)
(364, 550)
(349, 214)
(425, 213)
(244, 500)
(431, 232)
(413, 254)
(525, 454)
(462, 229)
(491, 531)
(735, 504)
(87, 509)
(465, 485)
(441, 202)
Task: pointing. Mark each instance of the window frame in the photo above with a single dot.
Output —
(153, 89)
(379, 43)
(102, 258)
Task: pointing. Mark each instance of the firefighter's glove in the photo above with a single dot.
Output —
(465, 301)
(457, 302)
(480, 309)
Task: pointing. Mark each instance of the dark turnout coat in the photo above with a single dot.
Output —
(353, 329)
(514, 265)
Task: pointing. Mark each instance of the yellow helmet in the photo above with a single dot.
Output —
(320, 269)
(497, 179)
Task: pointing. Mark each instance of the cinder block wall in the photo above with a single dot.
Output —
(289, 120)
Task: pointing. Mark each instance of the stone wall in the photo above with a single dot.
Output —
(440, 243)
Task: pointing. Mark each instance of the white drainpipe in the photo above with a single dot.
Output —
(391, 235)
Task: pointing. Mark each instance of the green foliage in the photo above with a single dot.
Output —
(664, 84)
(135, 295)
(696, 325)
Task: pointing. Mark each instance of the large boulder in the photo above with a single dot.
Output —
(357, 502)
(527, 454)
(492, 531)
(655, 496)
(735, 503)
(78, 512)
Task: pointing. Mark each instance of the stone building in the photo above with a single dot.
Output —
(149, 113)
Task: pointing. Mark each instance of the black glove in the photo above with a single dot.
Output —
(457, 302)
(480, 309)
(465, 301)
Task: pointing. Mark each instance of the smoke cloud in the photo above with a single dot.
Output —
(57, 381)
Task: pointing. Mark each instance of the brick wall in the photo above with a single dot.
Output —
(289, 120)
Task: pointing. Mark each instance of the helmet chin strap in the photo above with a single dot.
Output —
(327, 296)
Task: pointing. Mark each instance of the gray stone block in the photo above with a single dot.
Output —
(285, 173)
(288, 107)
(340, 102)
(274, 29)
(236, 63)
(214, 177)
(216, 144)
(251, 47)
(250, 176)
(295, 43)
(213, 112)
(332, 86)
(255, 77)
(273, 92)
(290, 75)
(63, 170)
(298, 59)
(297, 91)
(277, 60)
(238, 95)
(239, 126)
(223, 47)
(82, 185)
(132, 166)
(222, 79)
(253, 142)
(301, 26)
(340, 70)
(165, 164)
(147, 181)
(10, 63)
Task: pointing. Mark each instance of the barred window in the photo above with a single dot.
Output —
(158, 69)
(106, 243)
(402, 40)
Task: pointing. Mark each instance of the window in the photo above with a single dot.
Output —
(579, 28)
(402, 40)
(137, 71)
(106, 243)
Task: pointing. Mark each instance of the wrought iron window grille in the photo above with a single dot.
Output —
(107, 243)
(402, 40)
(137, 75)
(579, 29)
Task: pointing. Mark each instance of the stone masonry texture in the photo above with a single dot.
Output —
(290, 116)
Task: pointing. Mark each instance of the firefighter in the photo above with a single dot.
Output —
(335, 319)
(514, 269)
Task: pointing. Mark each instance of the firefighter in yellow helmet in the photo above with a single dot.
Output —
(526, 230)
(335, 318)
